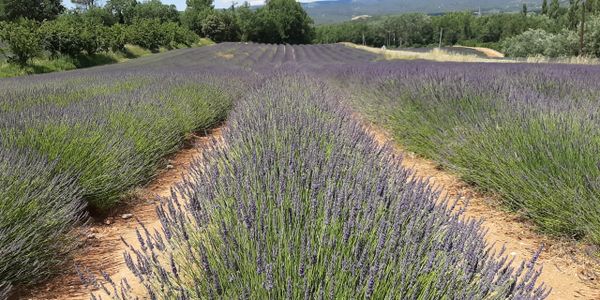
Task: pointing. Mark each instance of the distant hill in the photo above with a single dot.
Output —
(343, 10)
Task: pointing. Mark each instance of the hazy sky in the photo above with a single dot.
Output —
(181, 3)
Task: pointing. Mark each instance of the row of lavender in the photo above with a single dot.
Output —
(76, 142)
(530, 133)
(299, 201)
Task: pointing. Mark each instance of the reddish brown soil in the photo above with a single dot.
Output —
(103, 249)
(567, 266)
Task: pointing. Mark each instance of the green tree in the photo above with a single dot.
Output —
(199, 5)
(536, 42)
(545, 7)
(554, 9)
(2, 11)
(23, 40)
(592, 36)
(284, 21)
(85, 3)
(524, 10)
(457, 27)
(195, 13)
(100, 16)
(174, 35)
(145, 33)
(155, 9)
(38, 10)
(123, 10)
(221, 26)
(247, 22)
(573, 14)
(63, 35)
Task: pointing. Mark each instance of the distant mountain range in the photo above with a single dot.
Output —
(343, 10)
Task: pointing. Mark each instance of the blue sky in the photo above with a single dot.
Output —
(181, 3)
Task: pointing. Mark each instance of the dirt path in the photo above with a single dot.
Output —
(103, 250)
(490, 53)
(567, 269)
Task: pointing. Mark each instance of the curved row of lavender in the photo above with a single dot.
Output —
(298, 201)
(528, 133)
(79, 141)
(76, 142)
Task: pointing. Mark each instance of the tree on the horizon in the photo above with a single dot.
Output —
(545, 7)
(84, 3)
(524, 10)
(155, 9)
(122, 10)
(38, 10)
(2, 12)
(573, 14)
(199, 4)
(553, 11)
(284, 22)
(195, 13)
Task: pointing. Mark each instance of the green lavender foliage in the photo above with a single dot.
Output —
(298, 201)
(78, 142)
(522, 132)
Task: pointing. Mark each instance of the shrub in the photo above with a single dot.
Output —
(592, 36)
(299, 202)
(63, 36)
(221, 27)
(38, 209)
(110, 147)
(174, 35)
(83, 139)
(145, 33)
(519, 131)
(23, 40)
(536, 42)
(113, 38)
(530, 43)
(74, 35)
(152, 34)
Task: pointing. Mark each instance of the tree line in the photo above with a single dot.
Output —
(555, 30)
(30, 28)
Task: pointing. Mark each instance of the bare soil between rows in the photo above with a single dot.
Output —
(103, 248)
(568, 267)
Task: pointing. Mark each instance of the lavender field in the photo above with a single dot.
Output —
(298, 200)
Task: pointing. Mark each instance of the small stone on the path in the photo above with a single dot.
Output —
(126, 216)
(91, 236)
(513, 253)
(169, 166)
(108, 221)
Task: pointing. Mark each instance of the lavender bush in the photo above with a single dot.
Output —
(38, 208)
(525, 132)
(85, 138)
(298, 201)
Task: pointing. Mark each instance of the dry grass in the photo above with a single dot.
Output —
(434, 54)
(491, 53)
(575, 60)
(225, 55)
(445, 56)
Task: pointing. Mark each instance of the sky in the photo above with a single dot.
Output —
(181, 3)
